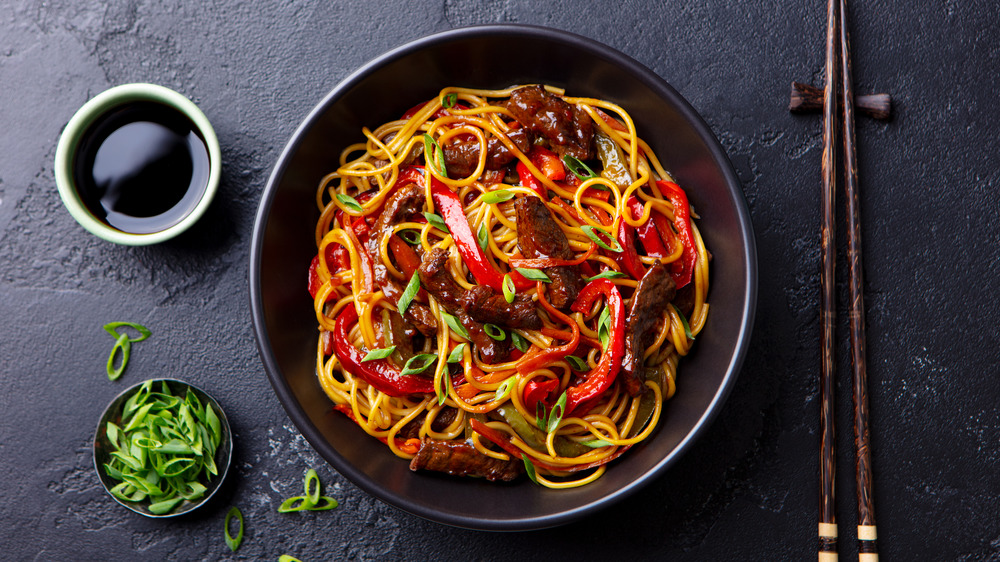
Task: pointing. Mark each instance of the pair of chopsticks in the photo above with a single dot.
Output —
(838, 50)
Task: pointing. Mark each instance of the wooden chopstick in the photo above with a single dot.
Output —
(867, 548)
(828, 253)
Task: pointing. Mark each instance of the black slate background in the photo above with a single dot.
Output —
(746, 491)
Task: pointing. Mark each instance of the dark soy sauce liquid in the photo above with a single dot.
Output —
(142, 167)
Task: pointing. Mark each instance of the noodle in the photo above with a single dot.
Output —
(536, 399)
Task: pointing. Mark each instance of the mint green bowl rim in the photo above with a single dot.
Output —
(98, 106)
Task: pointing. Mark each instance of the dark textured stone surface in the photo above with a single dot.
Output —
(747, 490)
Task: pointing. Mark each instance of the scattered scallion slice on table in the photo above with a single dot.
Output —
(312, 500)
(123, 343)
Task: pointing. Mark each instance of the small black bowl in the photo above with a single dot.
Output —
(103, 448)
(496, 56)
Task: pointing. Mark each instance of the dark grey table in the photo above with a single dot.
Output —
(746, 491)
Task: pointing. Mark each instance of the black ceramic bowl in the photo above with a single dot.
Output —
(494, 57)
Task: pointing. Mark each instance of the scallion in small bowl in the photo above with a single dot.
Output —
(162, 448)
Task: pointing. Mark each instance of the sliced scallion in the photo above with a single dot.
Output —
(350, 203)
(448, 100)
(495, 332)
(456, 354)
(409, 236)
(609, 274)
(578, 168)
(380, 353)
(684, 322)
(576, 363)
(529, 468)
(482, 236)
(503, 391)
(434, 155)
(555, 416)
(455, 325)
(418, 364)
(498, 196)
(509, 291)
(533, 274)
(520, 342)
(409, 293)
(436, 221)
(599, 235)
(231, 541)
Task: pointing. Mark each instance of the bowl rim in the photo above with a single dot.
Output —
(226, 448)
(97, 107)
(643, 74)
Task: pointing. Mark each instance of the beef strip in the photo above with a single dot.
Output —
(566, 127)
(461, 158)
(434, 277)
(462, 459)
(405, 203)
(486, 305)
(655, 290)
(538, 236)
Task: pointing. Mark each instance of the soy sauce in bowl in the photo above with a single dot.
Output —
(142, 167)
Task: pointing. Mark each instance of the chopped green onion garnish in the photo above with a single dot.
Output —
(482, 236)
(609, 274)
(125, 345)
(684, 322)
(350, 202)
(448, 101)
(529, 468)
(288, 558)
(409, 236)
(411, 290)
(454, 324)
(541, 416)
(598, 234)
(509, 291)
(294, 503)
(604, 327)
(498, 196)
(441, 389)
(577, 363)
(533, 274)
(234, 542)
(380, 353)
(555, 416)
(495, 332)
(164, 450)
(596, 443)
(112, 328)
(503, 391)
(520, 342)
(436, 221)
(311, 486)
(312, 498)
(434, 155)
(456, 354)
(418, 364)
(579, 169)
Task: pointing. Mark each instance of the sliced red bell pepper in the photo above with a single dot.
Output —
(628, 258)
(538, 391)
(378, 373)
(648, 234)
(337, 259)
(453, 213)
(603, 376)
(682, 269)
(531, 182)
